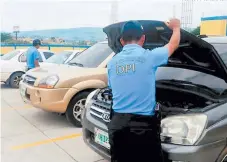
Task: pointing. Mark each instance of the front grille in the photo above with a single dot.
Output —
(100, 110)
(30, 80)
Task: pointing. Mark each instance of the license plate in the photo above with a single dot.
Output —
(102, 138)
(22, 90)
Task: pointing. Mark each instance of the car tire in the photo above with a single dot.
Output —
(75, 107)
(15, 79)
(223, 156)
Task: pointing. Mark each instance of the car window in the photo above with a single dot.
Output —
(10, 55)
(222, 50)
(93, 56)
(59, 58)
(47, 54)
(196, 77)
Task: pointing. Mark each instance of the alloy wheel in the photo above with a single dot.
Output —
(78, 108)
(17, 80)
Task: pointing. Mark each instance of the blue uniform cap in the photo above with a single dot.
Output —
(132, 28)
(36, 42)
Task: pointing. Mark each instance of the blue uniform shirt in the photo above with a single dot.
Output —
(32, 55)
(131, 76)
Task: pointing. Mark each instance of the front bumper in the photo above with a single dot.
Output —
(53, 100)
(203, 153)
(5, 76)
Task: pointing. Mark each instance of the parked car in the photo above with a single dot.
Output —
(63, 57)
(64, 88)
(191, 89)
(13, 65)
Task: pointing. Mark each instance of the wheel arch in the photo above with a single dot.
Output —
(84, 90)
(223, 155)
(13, 74)
(88, 85)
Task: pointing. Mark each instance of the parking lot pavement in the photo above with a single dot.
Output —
(29, 134)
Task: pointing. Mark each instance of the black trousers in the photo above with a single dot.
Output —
(135, 138)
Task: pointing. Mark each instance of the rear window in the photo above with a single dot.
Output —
(222, 50)
(93, 56)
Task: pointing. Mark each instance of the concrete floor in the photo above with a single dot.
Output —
(32, 135)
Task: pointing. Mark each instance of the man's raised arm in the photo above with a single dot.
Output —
(174, 42)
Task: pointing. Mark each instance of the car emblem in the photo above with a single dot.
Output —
(106, 116)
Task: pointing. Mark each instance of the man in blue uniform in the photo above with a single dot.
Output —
(33, 55)
(134, 131)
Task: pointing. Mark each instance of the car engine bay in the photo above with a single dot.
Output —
(174, 102)
(171, 101)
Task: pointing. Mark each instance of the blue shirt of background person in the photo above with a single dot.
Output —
(131, 73)
(33, 55)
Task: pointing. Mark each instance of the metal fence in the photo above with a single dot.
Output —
(5, 48)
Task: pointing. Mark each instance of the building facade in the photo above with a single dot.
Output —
(214, 26)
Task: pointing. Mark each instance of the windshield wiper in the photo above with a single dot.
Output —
(76, 63)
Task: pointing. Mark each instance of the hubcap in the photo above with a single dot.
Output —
(78, 108)
(17, 80)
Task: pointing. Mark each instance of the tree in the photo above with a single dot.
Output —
(6, 37)
(196, 31)
(53, 39)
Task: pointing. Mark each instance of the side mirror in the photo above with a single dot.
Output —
(23, 58)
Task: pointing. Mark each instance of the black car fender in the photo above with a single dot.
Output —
(222, 155)
(216, 129)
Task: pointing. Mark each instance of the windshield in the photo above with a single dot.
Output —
(222, 50)
(10, 55)
(59, 58)
(93, 56)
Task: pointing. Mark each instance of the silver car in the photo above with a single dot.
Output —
(192, 90)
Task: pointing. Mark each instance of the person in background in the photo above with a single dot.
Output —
(134, 131)
(33, 55)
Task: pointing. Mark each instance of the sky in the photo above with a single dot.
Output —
(58, 14)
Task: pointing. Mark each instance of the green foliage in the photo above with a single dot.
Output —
(6, 37)
(196, 31)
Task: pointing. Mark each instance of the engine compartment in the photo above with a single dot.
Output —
(175, 102)
(171, 101)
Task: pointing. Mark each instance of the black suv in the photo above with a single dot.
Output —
(192, 90)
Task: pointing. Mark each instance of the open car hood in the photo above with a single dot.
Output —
(193, 52)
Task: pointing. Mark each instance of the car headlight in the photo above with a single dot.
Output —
(48, 82)
(89, 97)
(183, 129)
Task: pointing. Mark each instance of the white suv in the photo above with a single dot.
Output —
(13, 65)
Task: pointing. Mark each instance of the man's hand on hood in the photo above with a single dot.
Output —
(174, 42)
